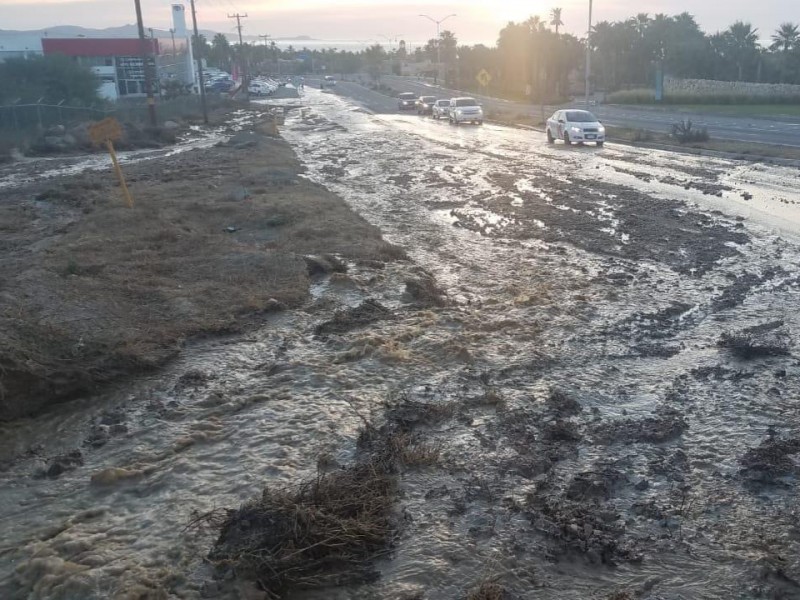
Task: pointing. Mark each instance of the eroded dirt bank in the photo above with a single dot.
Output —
(585, 381)
(93, 290)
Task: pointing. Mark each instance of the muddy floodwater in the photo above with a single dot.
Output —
(618, 333)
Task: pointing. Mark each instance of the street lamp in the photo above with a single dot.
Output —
(438, 45)
(588, 55)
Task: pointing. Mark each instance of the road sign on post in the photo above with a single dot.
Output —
(483, 78)
(105, 132)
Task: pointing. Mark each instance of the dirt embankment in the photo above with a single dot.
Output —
(91, 290)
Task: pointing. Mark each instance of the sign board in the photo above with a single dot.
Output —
(106, 130)
(483, 77)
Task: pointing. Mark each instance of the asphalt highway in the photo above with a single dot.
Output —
(783, 131)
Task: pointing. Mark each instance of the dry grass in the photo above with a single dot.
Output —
(326, 531)
(488, 589)
(94, 290)
(323, 532)
(412, 451)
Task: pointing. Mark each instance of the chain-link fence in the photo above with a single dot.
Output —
(32, 118)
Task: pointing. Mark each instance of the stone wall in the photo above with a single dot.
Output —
(708, 87)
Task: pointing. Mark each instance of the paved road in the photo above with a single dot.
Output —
(783, 131)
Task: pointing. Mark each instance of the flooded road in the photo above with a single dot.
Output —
(609, 437)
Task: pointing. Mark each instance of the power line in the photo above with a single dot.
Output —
(242, 59)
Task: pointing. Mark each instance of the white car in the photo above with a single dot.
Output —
(260, 88)
(440, 109)
(465, 110)
(575, 126)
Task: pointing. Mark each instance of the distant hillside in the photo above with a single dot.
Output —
(71, 31)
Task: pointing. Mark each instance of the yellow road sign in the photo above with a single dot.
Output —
(106, 130)
(483, 77)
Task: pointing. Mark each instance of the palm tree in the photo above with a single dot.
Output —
(786, 37)
(555, 19)
(742, 40)
(221, 53)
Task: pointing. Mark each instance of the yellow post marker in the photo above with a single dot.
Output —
(105, 132)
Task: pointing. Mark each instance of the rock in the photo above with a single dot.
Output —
(56, 130)
(114, 475)
(99, 436)
(171, 125)
(642, 485)
(63, 463)
(273, 305)
(70, 140)
(54, 141)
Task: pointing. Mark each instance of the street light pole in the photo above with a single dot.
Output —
(588, 55)
(438, 43)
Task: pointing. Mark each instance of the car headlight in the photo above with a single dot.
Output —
(601, 129)
(575, 130)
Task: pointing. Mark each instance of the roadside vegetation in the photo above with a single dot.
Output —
(734, 148)
(533, 59)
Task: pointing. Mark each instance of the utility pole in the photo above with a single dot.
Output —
(588, 55)
(264, 37)
(199, 67)
(438, 43)
(242, 60)
(148, 76)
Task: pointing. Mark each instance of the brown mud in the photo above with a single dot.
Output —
(94, 291)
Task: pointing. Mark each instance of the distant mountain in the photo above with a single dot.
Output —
(72, 31)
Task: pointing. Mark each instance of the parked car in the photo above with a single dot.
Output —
(465, 110)
(260, 88)
(577, 126)
(220, 85)
(440, 109)
(406, 101)
(330, 80)
(425, 105)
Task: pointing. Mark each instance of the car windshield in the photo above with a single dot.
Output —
(428, 98)
(466, 102)
(580, 116)
(407, 96)
(442, 102)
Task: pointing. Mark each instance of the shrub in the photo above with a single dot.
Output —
(686, 133)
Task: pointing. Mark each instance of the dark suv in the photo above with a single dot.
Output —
(407, 101)
(425, 105)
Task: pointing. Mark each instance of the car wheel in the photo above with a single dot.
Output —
(550, 138)
(600, 144)
(567, 141)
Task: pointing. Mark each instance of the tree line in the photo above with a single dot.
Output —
(534, 59)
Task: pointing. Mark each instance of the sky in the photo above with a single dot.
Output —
(383, 21)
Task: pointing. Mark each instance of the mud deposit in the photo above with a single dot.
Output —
(611, 362)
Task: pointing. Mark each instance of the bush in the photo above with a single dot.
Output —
(686, 133)
(53, 78)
